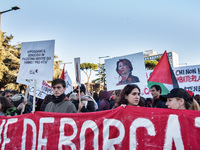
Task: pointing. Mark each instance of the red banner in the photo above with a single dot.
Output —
(122, 128)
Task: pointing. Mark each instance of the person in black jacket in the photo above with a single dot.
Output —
(88, 104)
(158, 101)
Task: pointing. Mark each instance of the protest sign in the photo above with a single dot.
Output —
(77, 70)
(188, 78)
(36, 61)
(121, 128)
(125, 70)
(41, 92)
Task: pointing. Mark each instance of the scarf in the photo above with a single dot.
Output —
(58, 99)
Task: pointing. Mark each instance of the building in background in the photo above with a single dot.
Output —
(153, 55)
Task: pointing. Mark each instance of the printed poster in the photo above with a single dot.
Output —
(123, 70)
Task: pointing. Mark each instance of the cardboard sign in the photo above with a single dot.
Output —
(36, 61)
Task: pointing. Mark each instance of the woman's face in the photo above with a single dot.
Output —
(123, 68)
(173, 103)
(114, 95)
(134, 97)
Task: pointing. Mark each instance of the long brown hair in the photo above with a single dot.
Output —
(126, 91)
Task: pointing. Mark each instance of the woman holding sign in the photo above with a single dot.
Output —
(124, 69)
(130, 95)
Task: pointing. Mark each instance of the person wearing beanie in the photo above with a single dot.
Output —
(58, 103)
(88, 104)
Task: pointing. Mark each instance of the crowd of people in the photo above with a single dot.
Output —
(13, 103)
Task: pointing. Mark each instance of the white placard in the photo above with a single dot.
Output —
(42, 91)
(134, 62)
(36, 61)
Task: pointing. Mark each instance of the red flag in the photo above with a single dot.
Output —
(63, 73)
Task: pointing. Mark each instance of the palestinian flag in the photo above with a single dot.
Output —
(163, 75)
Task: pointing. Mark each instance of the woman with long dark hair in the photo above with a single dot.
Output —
(130, 95)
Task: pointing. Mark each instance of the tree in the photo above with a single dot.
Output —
(10, 62)
(87, 69)
(150, 64)
(101, 73)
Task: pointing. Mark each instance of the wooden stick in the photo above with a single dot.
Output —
(34, 96)
(79, 93)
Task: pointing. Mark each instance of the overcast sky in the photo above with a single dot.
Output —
(94, 28)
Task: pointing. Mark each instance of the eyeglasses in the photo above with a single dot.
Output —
(57, 87)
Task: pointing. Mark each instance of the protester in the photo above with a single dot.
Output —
(105, 102)
(195, 105)
(100, 93)
(47, 99)
(16, 103)
(8, 94)
(179, 98)
(73, 96)
(88, 104)
(58, 103)
(96, 98)
(114, 98)
(158, 101)
(4, 105)
(22, 106)
(197, 98)
(15, 92)
(124, 69)
(130, 95)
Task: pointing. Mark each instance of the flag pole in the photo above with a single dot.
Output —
(34, 96)
(79, 93)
